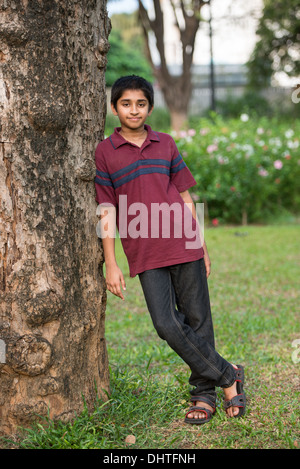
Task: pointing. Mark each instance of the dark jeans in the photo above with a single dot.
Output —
(188, 329)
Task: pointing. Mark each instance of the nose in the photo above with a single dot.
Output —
(134, 109)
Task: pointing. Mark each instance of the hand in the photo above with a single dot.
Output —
(207, 261)
(114, 281)
(207, 264)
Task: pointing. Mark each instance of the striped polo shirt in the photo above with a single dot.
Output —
(144, 184)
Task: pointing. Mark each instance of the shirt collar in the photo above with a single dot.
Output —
(117, 140)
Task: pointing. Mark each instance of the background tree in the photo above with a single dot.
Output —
(52, 100)
(126, 54)
(176, 89)
(277, 49)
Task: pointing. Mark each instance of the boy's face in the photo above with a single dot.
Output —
(132, 109)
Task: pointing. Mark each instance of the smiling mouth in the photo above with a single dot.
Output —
(134, 119)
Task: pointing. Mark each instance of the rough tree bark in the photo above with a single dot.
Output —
(176, 89)
(53, 105)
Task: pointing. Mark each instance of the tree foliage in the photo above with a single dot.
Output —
(126, 56)
(277, 49)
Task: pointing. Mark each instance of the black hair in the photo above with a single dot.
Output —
(131, 82)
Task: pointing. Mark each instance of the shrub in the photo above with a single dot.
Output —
(247, 169)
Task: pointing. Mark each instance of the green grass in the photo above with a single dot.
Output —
(254, 296)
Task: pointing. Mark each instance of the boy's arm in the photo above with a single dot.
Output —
(114, 276)
(188, 200)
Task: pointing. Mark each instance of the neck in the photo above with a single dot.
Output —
(137, 136)
(134, 133)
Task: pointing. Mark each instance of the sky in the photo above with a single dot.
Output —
(121, 6)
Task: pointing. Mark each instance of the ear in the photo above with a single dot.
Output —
(150, 111)
(115, 112)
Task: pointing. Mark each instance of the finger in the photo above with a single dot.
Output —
(118, 292)
(115, 290)
(123, 282)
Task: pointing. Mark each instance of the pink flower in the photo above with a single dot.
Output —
(263, 172)
(211, 148)
(215, 222)
(278, 164)
(191, 132)
(232, 189)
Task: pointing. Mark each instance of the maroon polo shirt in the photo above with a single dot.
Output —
(144, 184)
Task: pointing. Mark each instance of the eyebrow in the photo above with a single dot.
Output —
(139, 100)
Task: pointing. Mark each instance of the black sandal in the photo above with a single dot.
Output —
(240, 399)
(209, 414)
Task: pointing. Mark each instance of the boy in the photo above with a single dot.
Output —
(142, 186)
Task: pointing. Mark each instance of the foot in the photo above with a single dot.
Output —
(197, 414)
(229, 394)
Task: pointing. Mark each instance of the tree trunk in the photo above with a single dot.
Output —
(176, 89)
(53, 105)
(178, 120)
(177, 94)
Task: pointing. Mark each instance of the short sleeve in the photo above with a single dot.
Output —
(181, 176)
(105, 193)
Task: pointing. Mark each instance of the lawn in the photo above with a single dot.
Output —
(254, 295)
